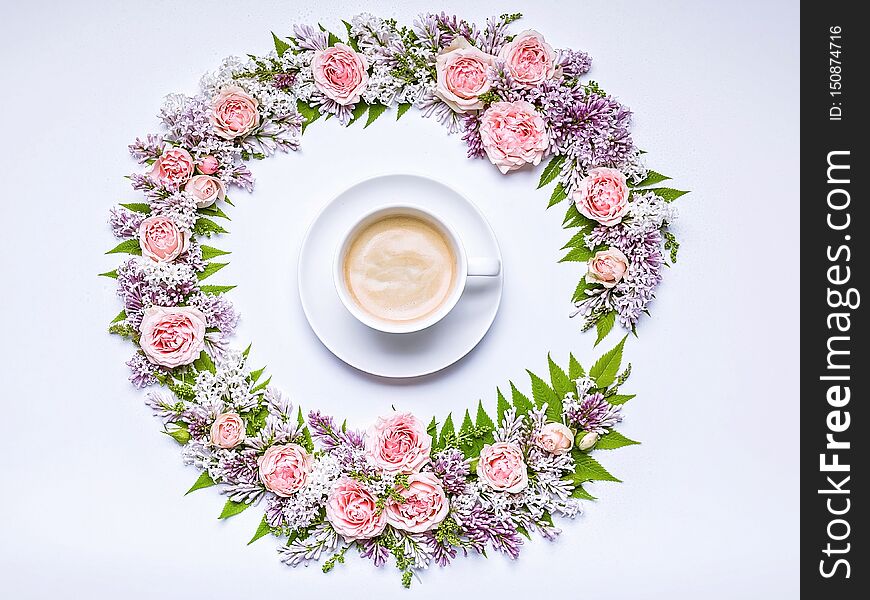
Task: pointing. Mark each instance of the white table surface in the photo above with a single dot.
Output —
(91, 499)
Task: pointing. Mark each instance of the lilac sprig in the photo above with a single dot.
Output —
(148, 149)
(593, 413)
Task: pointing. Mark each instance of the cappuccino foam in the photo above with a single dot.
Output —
(400, 268)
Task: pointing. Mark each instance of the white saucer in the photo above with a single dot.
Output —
(405, 354)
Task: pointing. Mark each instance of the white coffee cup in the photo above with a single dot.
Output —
(464, 268)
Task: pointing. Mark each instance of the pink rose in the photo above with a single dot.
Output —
(340, 73)
(555, 438)
(161, 240)
(353, 511)
(607, 267)
(398, 443)
(284, 468)
(425, 504)
(208, 165)
(602, 196)
(227, 431)
(234, 113)
(501, 467)
(513, 135)
(173, 167)
(172, 336)
(206, 189)
(461, 75)
(529, 59)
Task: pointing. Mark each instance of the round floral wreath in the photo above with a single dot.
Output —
(400, 489)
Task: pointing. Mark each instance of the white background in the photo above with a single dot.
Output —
(91, 499)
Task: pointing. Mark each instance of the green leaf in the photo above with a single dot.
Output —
(139, 207)
(204, 363)
(351, 41)
(358, 111)
(613, 440)
(403, 108)
(483, 420)
(210, 269)
(432, 430)
(551, 171)
(262, 385)
(215, 289)
(605, 368)
(652, 178)
(307, 442)
(587, 468)
(618, 399)
(604, 325)
(668, 194)
(575, 370)
(179, 433)
(483, 423)
(520, 400)
(210, 252)
(121, 316)
(559, 194)
(308, 112)
(203, 481)
(541, 392)
(523, 532)
(113, 274)
(447, 431)
(560, 381)
(255, 374)
(375, 111)
(582, 494)
(578, 254)
(578, 240)
(466, 433)
(467, 425)
(332, 39)
(214, 211)
(232, 508)
(280, 45)
(502, 406)
(127, 247)
(580, 290)
(206, 227)
(262, 530)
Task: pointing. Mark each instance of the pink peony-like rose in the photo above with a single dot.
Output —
(425, 504)
(161, 240)
(461, 75)
(340, 73)
(398, 443)
(284, 468)
(513, 135)
(602, 196)
(227, 431)
(173, 168)
(234, 113)
(529, 59)
(206, 189)
(208, 165)
(353, 511)
(501, 467)
(555, 438)
(172, 336)
(607, 267)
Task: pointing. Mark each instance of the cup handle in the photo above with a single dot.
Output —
(484, 267)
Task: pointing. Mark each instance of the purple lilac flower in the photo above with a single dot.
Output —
(503, 83)
(142, 371)
(593, 413)
(198, 422)
(441, 553)
(471, 126)
(282, 81)
(452, 27)
(192, 257)
(348, 446)
(310, 38)
(125, 223)
(375, 550)
(188, 120)
(481, 527)
(148, 149)
(237, 174)
(218, 310)
(450, 467)
(495, 34)
(275, 511)
(574, 63)
(142, 284)
(239, 467)
(153, 189)
(179, 206)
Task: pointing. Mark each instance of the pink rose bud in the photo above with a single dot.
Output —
(208, 165)
(206, 189)
(501, 467)
(340, 73)
(172, 336)
(607, 267)
(513, 134)
(461, 75)
(587, 441)
(555, 438)
(284, 469)
(234, 113)
(173, 168)
(353, 511)
(227, 431)
(161, 240)
(398, 443)
(529, 59)
(602, 196)
(424, 504)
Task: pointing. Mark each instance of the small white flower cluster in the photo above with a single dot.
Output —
(648, 212)
(228, 388)
(303, 508)
(162, 277)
